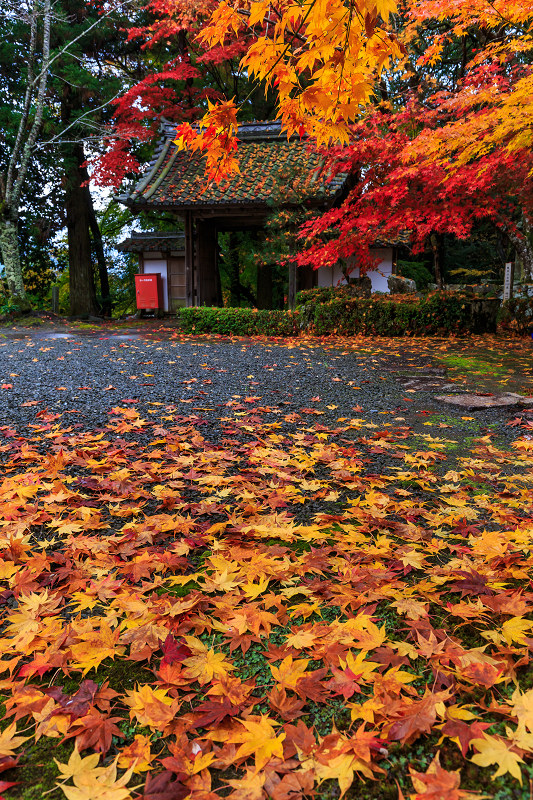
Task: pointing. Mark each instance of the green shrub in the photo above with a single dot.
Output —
(237, 321)
(324, 294)
(379, 315)
(399, 315)
(417, 272)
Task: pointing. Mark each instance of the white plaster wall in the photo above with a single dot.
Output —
(328, 276)
(152, 266)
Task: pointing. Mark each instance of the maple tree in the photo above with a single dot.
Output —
(431, 158)
(490, 129)
(257, 59)
(396, 194)
(183, 75)
(445, 149)
(322, 58)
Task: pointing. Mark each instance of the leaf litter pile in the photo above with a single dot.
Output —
(213, 593)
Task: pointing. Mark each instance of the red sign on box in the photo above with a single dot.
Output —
(149, 291)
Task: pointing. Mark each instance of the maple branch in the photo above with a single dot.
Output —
(243, 12)
(506, 20)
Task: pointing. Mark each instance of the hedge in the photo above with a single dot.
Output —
(400, 315)
(237, 321)
(324, 294)
(380, 315)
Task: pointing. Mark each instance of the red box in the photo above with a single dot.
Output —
(149, 291)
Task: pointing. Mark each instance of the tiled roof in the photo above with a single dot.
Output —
(399, 240)
(274, 171)
(143, 241)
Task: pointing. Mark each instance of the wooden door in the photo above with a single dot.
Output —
(178, 292)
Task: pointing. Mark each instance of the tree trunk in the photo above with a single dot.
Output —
(291, 299)
(100, 256)
(81, 275)
(9, 246)
(435, 246)
(98, 246)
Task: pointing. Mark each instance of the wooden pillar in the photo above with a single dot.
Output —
(264, 285)
(189, 259)
(291, 299)
(207, 252)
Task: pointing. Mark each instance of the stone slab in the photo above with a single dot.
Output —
(473, 401)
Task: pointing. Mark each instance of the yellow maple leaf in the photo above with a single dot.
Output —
(250, 787)
(204, 664)
(259, 739)
(523, 708)
(152, 707)
(94, 646)
(413, 609)
(366, 711)
(253, 590)
(492, 750)
(515, 629)
(289, 672)
(359, 665)
(98, 784)
(301, 639)
(342, 768)
(76, 765)
(9, 741)
(136, 755)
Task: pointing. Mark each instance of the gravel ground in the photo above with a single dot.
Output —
(82, 376)
(86, 374)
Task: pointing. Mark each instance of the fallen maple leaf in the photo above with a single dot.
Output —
(92, 782)
(204, 664)
(439, 784)
(257, 737)
(493, 750)
(136, 755)
(152, 707)
(9, 741)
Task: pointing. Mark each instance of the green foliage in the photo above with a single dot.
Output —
(325, 294)
(381, 315)
(238, 268)
(38, 281)
(8, 306)
(417, 272)
(237, 321)
(64, 292)
(516, 314)
(401, 315)
(122, 284)
(481, 256)
(281, 227)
